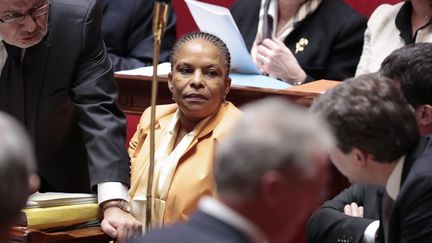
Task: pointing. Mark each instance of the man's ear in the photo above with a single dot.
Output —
(272, 187)
(170, 86)
(361, 157)
(424, 115)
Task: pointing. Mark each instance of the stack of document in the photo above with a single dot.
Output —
(57, 210)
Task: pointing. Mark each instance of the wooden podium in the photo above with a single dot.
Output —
(135, 92)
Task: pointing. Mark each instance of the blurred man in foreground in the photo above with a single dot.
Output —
(17, 171)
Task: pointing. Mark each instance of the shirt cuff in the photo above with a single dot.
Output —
(370, 232)
(112, 190)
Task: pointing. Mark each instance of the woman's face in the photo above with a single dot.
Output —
(199, 81)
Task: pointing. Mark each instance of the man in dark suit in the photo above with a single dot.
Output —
(305, 40)
(275, 153)
(409, 67)
(128, 34)
(59, 84)
(378, 142)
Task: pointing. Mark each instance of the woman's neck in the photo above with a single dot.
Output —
(180, 135)
(286, 10)
(421, 14)
(187, 124)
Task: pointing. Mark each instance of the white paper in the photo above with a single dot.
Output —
(38, 197)
(162, 70)
(217, 20)
(256, 80)
(54, 199)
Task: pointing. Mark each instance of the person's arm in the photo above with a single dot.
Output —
(346, 52)
(364, 66)
(330, 224)
(102, 122)
(138, 40)
(363, 63)
(275, 59)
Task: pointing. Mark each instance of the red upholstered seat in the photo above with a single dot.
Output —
(132, 123)
(366, 7)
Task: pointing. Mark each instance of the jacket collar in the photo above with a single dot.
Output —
(422, 145)
(209, 127)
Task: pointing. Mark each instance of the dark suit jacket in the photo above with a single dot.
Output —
(411, 218)
(128, 35)
(200, 228)
(71, 114)
(335, 34)
(330, 224)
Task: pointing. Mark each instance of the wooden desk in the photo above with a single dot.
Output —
(135, 92)
(82, 235)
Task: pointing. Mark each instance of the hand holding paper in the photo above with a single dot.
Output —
(275, 59)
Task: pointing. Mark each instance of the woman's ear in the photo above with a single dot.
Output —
(227, 85)
(170, 86)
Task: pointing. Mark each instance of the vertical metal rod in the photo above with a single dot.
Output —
(160, 13)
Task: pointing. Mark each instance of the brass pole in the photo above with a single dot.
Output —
(160, 13)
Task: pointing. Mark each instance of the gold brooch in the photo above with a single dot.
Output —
(301, 44)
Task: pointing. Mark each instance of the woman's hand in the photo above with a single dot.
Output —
(275, 59)
(120, 225)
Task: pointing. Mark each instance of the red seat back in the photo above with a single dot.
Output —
(132, 123)
(366, 7)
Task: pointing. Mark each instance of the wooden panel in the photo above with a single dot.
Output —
(135, 92)
(82, 235)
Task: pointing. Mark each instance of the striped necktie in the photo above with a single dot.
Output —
(12, 84)
(267, 21)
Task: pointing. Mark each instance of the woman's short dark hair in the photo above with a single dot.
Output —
(216, 41)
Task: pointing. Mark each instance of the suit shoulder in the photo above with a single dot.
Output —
(161, 111)
(384, 15)
(78, 7)
(227, 119)
(180, 232)
(341, 10)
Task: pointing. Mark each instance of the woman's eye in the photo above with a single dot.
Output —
(184, 70)
(212, 73)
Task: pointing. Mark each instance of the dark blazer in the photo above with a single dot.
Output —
(128, 35)
(76, 126)
(411, 217)
(330, 224)
(335, 34)
(200, 228)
